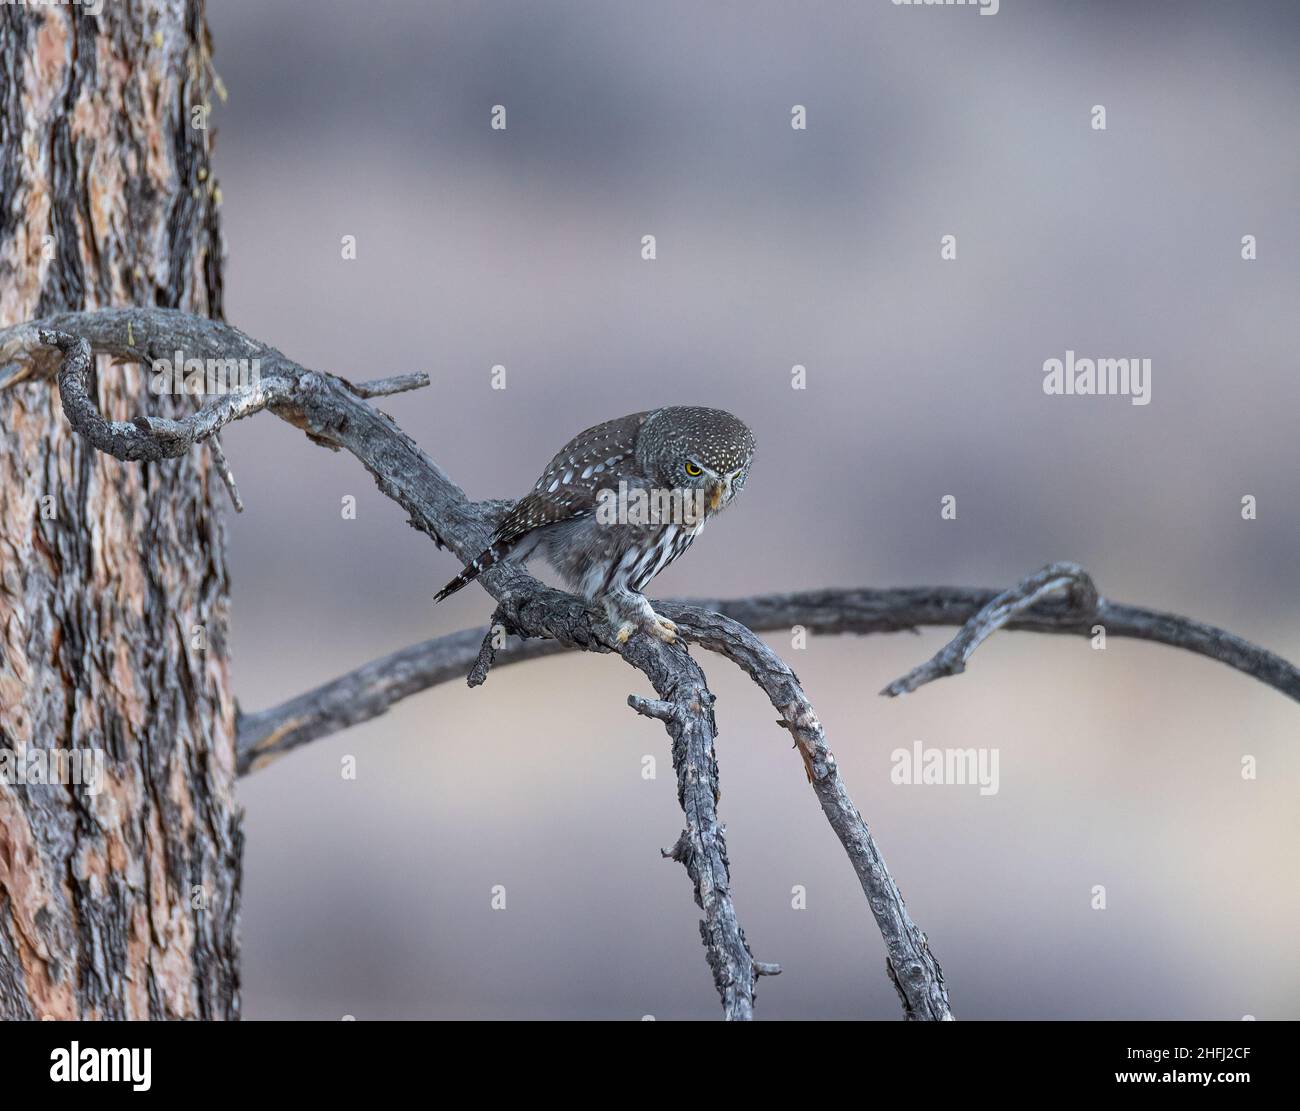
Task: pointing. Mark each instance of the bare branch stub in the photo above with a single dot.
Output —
(382, 387)
(652, 707)
(487, 652)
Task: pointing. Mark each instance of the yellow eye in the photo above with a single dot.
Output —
(693, 470)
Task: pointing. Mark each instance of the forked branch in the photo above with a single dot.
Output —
(334, 412)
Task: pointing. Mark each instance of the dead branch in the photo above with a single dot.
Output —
(370, 690)
(334, 413)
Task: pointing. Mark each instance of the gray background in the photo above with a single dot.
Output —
(776, 247)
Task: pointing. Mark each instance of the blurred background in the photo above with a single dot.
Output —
(776, 247)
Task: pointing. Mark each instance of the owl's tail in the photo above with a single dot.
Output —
(487, 558)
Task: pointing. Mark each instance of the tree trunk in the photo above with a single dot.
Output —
(121, 903)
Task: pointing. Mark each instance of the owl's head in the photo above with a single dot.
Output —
(685, 447)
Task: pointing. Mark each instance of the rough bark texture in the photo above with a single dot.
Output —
(333, 412)
(122, 904)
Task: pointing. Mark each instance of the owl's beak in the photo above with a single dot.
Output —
(719, 493)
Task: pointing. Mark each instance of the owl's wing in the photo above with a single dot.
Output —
(585, 465)
(566, 489)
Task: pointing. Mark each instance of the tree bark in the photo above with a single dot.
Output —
(114, 594)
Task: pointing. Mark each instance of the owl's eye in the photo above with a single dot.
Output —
(693, 470)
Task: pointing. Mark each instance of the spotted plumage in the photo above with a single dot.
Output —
(620, 502)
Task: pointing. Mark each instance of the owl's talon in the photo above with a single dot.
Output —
(656, 626)
(664, 629)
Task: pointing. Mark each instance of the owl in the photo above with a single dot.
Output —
(620, 502)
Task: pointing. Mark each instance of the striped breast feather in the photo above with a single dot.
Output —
(668, 545)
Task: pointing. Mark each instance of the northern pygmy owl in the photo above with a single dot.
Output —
(620, 502)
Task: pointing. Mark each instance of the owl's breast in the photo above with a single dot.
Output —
(598, 560)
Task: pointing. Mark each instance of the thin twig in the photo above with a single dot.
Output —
(952, 658)
(223, 469)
